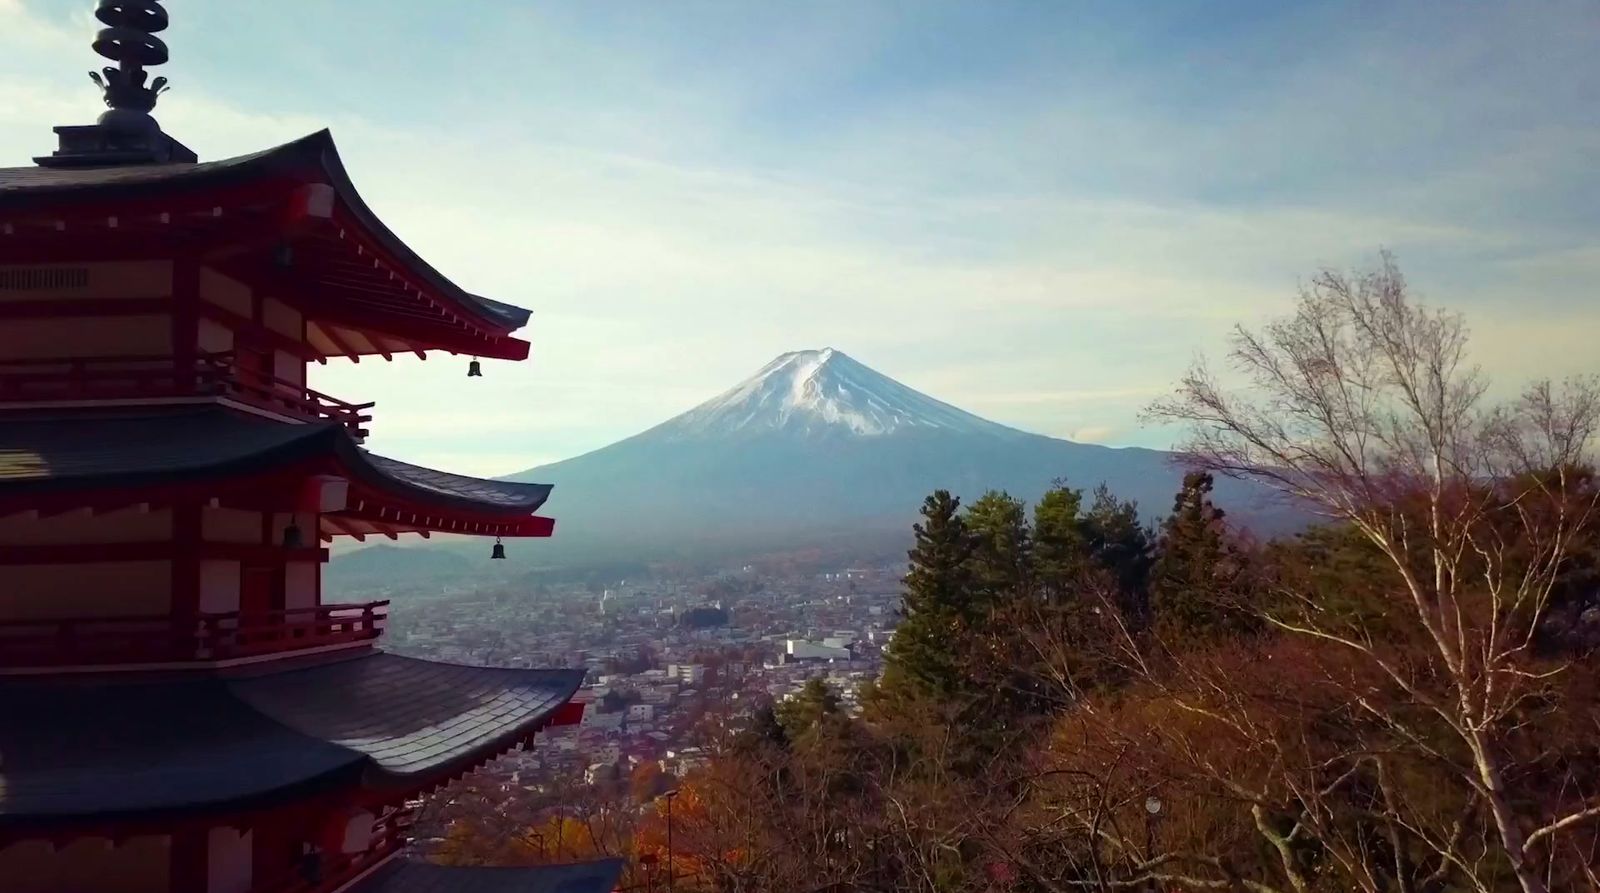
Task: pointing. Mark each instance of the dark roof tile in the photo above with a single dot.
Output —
(50, 450)
(411, 876)
(112, 747)
(312, 158)
(415, 714)
(150, 447)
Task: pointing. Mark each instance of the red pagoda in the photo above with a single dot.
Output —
(180, 709)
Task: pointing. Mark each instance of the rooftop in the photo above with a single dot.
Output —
(352, 267)
(138, 451)
(410, 876)
(103, 748)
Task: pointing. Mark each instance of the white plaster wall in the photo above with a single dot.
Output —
(129, 279)
(219, 586)
(215, 337)
(42, 339)
(225, 292)
(281, 318)
(139, 865)
(225, 525)
(288, 367)
(334, 493)
(123, 526)
(300, 584)
(229, 863)
(44, 591)
(358, 833)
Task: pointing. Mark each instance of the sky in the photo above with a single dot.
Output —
(1040, 211)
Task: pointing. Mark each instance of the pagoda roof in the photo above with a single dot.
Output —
(297, 193)
(413, 876)
(116, 749)
(123, 457)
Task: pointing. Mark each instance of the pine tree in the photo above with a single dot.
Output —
(937, 608)
(765, 731)
(815, 707)
(1121, 545)
(1196, 569)
(1002, 547)
(1059, 548)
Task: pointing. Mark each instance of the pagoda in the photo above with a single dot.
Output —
(181, 711)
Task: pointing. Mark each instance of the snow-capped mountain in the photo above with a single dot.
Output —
(819, 392)
(816, 447)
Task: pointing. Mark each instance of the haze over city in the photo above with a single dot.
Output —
(910, 446)
(1037, 212)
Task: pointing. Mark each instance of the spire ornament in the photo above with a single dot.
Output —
(125, 133)
(130, 40)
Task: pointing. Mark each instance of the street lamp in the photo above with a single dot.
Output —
(1152, 809)
(669, 796)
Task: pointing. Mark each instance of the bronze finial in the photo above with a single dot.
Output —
(129, 39)
(126, 133)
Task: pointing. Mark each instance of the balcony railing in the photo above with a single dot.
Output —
(321, 872)
(157, 378)
(95, 641)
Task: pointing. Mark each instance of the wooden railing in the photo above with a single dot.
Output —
(156, 378)
(323, 872)
(91, 641)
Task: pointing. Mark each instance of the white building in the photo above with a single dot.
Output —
(605, 722)
(688, 674)
(641, 713)
(800, 649)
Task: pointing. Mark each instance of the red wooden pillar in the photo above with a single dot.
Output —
(186, 535)
(186, 319)
(190, 856)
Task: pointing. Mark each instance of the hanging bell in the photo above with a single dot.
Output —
(499, 550)
(292, 537)
(474, 369)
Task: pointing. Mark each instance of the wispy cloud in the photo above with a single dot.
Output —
(1039, 212)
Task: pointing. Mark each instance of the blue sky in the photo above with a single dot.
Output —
(1039, 211)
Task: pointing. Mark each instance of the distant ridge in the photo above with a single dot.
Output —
(815, 448)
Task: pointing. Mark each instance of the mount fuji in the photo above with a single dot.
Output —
(822, 393)
(816, 449)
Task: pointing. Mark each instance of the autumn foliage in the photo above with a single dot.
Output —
(1401, 698)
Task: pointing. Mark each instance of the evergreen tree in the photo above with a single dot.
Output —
(813, 709)
(1193, 579)
(1059, 548)
(765, 730)
(937, 609)
(1121, 545)
(1002, 546)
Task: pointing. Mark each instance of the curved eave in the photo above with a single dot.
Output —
(126, 457)
(389, 496)
(69, 457)
(312, 159)
(417, 722)
(114, 751)
(489, 312)
(411, 876)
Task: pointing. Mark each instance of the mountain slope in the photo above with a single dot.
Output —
(816, 392)
(815, 447)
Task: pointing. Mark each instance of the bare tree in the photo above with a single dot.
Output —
(1363, 406)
